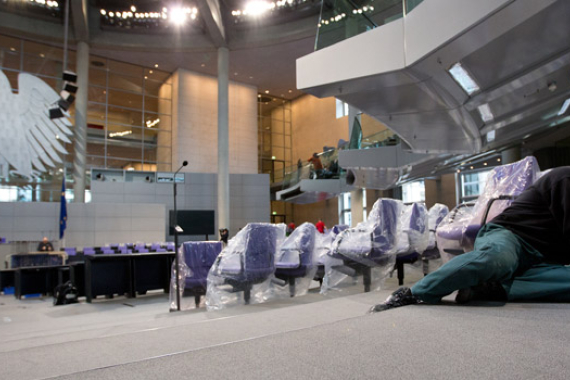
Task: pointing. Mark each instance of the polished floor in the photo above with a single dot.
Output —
(310, 337)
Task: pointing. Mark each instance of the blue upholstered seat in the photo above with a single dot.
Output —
(297, 259)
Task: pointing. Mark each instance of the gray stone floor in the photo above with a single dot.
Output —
(306, 337)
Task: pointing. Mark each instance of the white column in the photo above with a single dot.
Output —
(80, 146)
(223, 140)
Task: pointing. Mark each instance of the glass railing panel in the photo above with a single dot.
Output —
(355, 135)
(411, 4)
(342, 19)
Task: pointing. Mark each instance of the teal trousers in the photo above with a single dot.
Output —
(499, 255)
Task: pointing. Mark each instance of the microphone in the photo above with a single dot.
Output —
(184, 163)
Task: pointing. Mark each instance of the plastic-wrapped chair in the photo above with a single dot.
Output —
(436, 214)
(414, 237)
(324, 248)
(170, 246)
(504, 184)
(247, 261)
(195, 260)
(296, 260)
(371, 244)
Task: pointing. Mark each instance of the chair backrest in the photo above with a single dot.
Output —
(70, 251)
(303, 240)
(384, 219)
(436, 214)
(199, 257)
(141, 250)
(88, 250)
(108, 250)
(510, 179)
(170, 246)
(155, 246)
(260, 248)
(414, 231)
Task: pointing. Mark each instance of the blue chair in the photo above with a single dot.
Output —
(70, 251)
(296, 259)
(88, 251)
(504, 184)
(249, 259)
(199, 256)
(371, 243)
(108, 250)
(170, 247)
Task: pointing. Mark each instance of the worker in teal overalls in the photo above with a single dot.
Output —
(521, 255)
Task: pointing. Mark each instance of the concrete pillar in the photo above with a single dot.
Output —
(511, 155)
(80, 146)
(223, 140)
(356, 209)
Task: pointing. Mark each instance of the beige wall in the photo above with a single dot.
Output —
(315, 125)
(195, 124)
(441, 190)
(327, 211)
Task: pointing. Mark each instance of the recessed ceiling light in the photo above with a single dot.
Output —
(150, 71)
(145, 77)
(485, 112)
(12, 49)
(156, 65)
(250, 77)
(290, 91)
(42, 55)
(564, 107)
(235, 73)
(203, 65)
(258, 95)
(463, 78)
(267, 91)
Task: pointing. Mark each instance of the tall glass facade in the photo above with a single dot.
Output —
(129, 116)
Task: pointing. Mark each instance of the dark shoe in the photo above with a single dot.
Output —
(400, 297)
(487, 291)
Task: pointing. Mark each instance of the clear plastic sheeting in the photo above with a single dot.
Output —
(414, 230)
(245, 270)
(504, 183)
(195, 258)
(368, 249)
(431, 256)
(296, 260)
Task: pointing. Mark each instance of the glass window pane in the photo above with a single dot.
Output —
(8, 42)
(127, 83)
(158, 121)
(97, 94)
(122, 133)
(96, 114)
(97, 77)
(12, 78)
(125, 69)
(10, 60)
(41, 65)
(158, 105)
(118, 115)
(158, 89)
(125, 99)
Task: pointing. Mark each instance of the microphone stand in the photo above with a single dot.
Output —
(176, 230)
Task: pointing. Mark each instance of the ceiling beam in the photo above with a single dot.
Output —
(211, 13)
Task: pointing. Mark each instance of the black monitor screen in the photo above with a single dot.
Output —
(194, 222)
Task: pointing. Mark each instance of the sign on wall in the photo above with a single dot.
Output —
(30, 141)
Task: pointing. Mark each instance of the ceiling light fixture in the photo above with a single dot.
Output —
(564, 107)
(463, 78)
(485, 112)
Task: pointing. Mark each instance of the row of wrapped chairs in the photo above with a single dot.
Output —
(259, 263)
(122, 249)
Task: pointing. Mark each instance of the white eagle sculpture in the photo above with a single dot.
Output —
(29, 139)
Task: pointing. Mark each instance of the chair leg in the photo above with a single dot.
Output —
(292, 286)
(247, 294)
(400, 266)
(367, 278)
(197, 300)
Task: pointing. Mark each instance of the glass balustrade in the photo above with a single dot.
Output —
(342, 19)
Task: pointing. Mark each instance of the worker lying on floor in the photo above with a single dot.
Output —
(519, 256)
